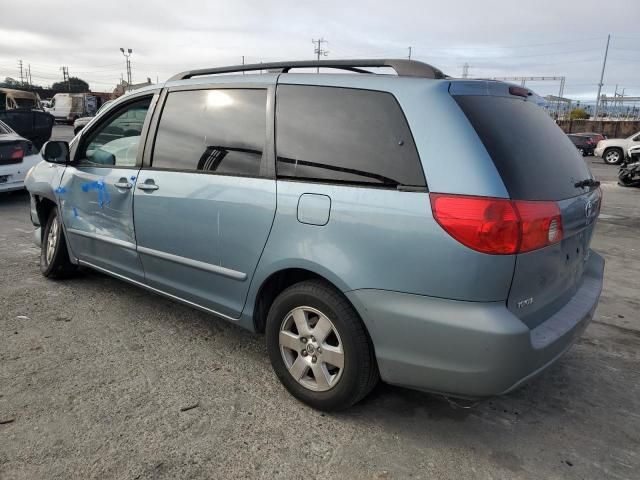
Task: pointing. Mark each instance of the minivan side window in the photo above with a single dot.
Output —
(219, 131)
(344, 135)
(115, 141)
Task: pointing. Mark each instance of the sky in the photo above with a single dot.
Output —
(495, 38)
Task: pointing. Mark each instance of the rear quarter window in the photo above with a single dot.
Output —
(534, 157)
(345, 136)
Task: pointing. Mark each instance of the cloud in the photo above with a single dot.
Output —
(496, 38)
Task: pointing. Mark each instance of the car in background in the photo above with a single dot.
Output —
(82, 122)
(612, 150)
(11, 99)
(585, 142)
(17, 156)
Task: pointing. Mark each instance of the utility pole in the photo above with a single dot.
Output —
(319, 51)
(21, 77)
(604, 63)
(409, 57)
(127, 56)
(465, 70)
(65, 77)
(29, 75)
(243, 63)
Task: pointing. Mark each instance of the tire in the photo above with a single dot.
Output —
(54, 256)
(612, 156)
(313, 303)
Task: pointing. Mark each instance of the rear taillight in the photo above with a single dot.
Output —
(17, 154)
(496, 225)
(540, 224)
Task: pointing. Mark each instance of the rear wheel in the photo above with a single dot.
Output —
(612, 156)
(54, 257)
(319, 348)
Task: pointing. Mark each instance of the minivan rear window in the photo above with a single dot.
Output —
(534, 157)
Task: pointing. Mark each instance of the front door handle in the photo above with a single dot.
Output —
(148, 186)
(123, 183)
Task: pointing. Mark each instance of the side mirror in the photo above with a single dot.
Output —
(56, 151)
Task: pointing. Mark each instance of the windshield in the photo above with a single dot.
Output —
(25, 102)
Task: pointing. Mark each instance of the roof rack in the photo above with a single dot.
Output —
(404, 68)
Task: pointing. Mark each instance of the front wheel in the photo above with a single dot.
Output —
(319, 348)
(54, 257)
(613, 156)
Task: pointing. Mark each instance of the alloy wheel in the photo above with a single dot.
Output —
(52, 239)
(311, 348)
(612, 156)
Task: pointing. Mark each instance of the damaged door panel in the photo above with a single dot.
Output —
(96, 192)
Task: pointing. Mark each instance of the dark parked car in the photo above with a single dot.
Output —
(585, 142)
(34, 125)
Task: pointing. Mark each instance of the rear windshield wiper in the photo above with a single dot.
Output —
(589, 182)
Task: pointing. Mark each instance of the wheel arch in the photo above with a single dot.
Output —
(44, 205)
(272, 284)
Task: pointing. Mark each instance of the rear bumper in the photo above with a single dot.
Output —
(11, 186)
(469, 349)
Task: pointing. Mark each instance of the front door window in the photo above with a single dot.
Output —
(115, 143)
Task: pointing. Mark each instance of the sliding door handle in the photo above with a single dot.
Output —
(148, 186)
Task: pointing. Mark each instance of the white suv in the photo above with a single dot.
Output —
(613, 150)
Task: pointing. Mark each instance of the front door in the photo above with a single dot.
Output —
(205, 206)
(96, 192)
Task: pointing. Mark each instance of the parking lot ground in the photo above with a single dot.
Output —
(99, 379)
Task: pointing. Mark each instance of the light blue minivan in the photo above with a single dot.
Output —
(430, 232)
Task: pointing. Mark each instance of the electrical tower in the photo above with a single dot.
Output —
(21, 76)
(465, 70)
(319, 51)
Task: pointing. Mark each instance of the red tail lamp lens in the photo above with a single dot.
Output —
(540, 224)
(17, 153)
(498, 226)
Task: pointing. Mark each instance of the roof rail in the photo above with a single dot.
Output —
(404, 68)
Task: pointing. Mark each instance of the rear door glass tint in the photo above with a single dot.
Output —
(343, 135)
(535, 159)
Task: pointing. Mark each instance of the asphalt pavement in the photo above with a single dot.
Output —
(99, 379)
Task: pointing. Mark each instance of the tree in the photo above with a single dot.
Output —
(579, 114)
(10, 83)
(74, 85)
